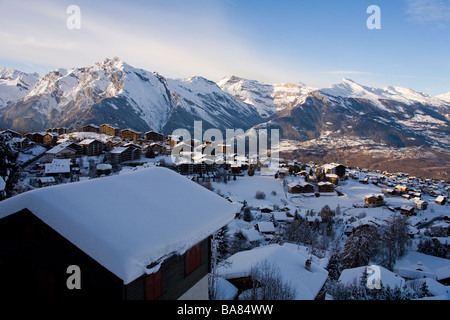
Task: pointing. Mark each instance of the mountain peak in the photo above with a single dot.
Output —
(348, 80)
(445, 97)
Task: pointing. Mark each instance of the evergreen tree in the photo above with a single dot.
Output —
(334, 266)
(222, 244)
(9, 170)
(326, 214)
(248, 214)
(238, 243)
(360, 247)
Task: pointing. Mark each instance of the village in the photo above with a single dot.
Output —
(329, 203)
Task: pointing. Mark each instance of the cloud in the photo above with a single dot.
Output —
(428, 12)
(344, 72)
(174, 43)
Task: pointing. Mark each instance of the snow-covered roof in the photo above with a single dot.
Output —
(373, 195)
(104, 166)
(325, 183)
(435, 288)
(266, 226)
(46, 179)
(443, 273)
(388, 278)
(330, 165)
(119, 150)
(123, 222)
(87, 141)
(282, 216)
(290, 263)
(418, 265)
(58, 166)
(59, 147)
(252, 235)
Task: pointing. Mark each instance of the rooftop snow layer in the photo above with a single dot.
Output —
(126, 222)
(290, 263)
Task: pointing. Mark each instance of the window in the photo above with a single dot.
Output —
(153, 285)
(193, 258)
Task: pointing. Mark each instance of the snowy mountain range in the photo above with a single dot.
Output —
(268, 99)
(114, 92)
(14, 85)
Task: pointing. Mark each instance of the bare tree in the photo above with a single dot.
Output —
(395, 240)
(268, 283)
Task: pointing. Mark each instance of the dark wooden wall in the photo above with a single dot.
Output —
(174, 280)
(34, 260)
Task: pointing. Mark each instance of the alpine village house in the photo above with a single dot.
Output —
(124, 240)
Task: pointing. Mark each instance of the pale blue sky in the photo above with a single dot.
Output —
(314, 42)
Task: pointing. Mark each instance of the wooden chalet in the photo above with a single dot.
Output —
(37, 137)
(106, 229)
(421, 204)
(155, 147)
(21, 143)
(154, 136)
(90, 128)
(67, 150)
(122, 154)
(11, 133)
(335, 168)
(374, 200)
(302, 187)
(58, 168)
(92, 147)
(50, 139)
(130, 135)
(401, 189)
(59, 131)
(265, 227)
(333, 178)
(46, 181)
(325, 186)
(109, 130)
(407, 210)
(172, 140)
(441, 200)
(104, 169)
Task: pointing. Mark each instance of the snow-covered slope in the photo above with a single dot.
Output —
(201, 99)
(110, 91)
(114, 92)
(350, 89)
(14, 85)
(445, 97)
(267, 98)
